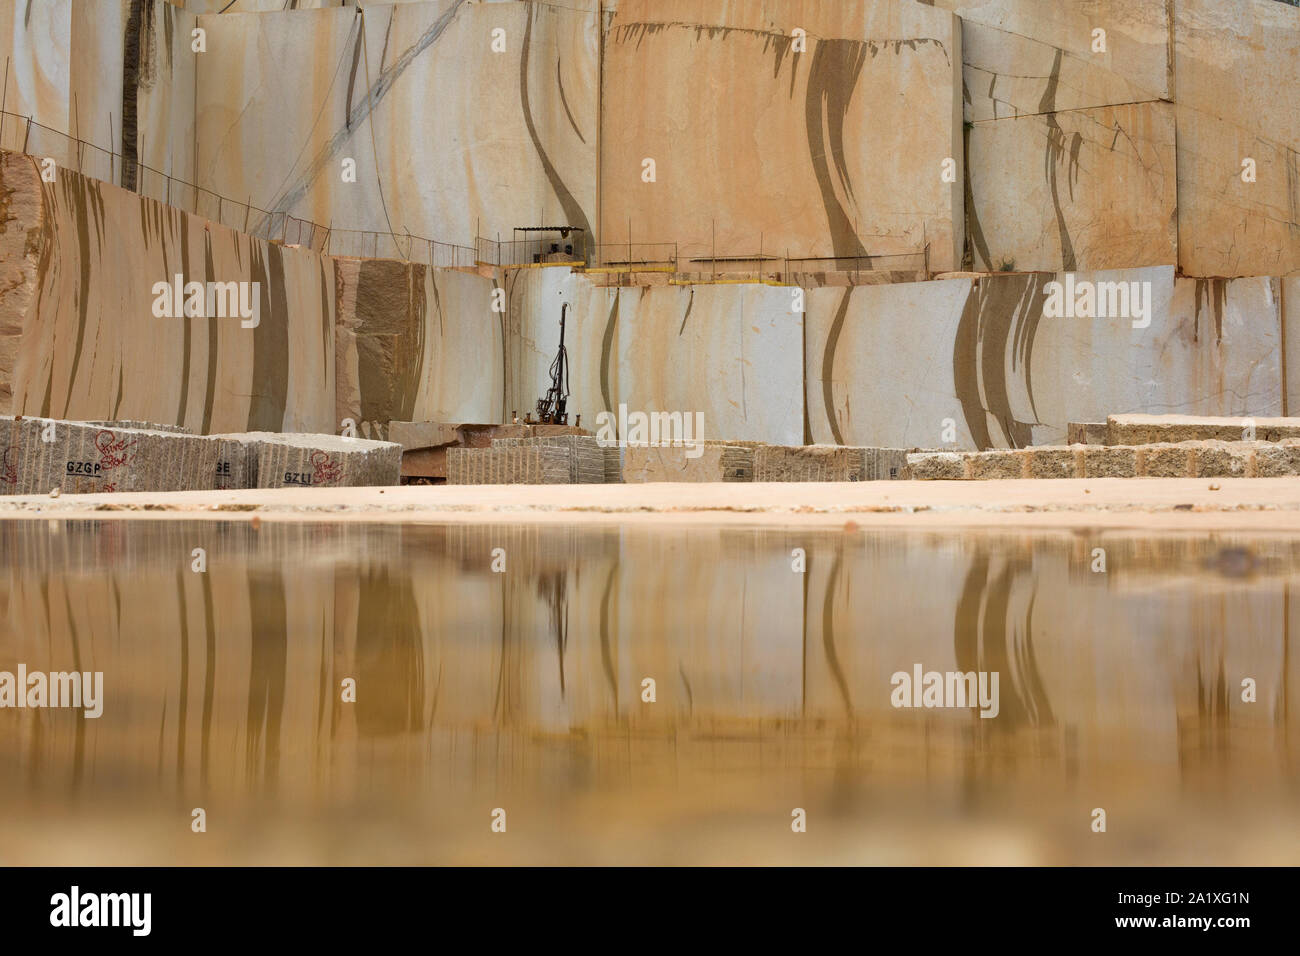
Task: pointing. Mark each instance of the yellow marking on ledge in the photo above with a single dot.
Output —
(615, 269)
(723, 282)
(537, 265)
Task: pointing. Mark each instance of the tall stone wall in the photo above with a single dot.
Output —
(378, 340)
(1237, 64)
(991, 368)
(728, 352)
(820, 143)
(450, 138)
(92, 346)
(416, 344)
(22, 223)
(36, 40)
(1126, 160)
(117, 75)
(824, 144)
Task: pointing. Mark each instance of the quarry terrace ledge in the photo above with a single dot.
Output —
(1193, 504)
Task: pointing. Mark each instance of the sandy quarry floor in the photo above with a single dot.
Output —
(1265, 504)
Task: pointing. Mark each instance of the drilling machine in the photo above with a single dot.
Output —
(552, 408)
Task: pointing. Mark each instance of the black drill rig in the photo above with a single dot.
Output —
(552, 408)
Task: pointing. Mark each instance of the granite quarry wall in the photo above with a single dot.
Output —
(511, 141)
(92, 346)
(335, 338)
(1005, 375)
(1115, 165)
(118, 76)
(380, 340)
(826, 142)
(416, 344)
(813, 150)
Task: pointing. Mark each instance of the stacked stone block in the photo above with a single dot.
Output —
(1087, 433)
(886, 464)
(236, 463)
(996, 464)
(1100, 461)
(586, 457)
(315, 461)
(1276, 461)
(531, 464)
(150, 426)
(1189, 459)
(1224, 460)
(829, 463)
(704, 462)
(613, 459)
(38, 455)
(1165, 461)
(809, 463)
(937, 466)
(1170, 429)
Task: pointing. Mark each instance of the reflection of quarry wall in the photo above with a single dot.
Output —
(235, 672)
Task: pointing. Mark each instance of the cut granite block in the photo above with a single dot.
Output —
(1224, 459)
(1165, 461)
(1101, 461)
(986, 465)
(1277, 461)
(886, 464)
(425, 444)
(1086, 433)
(290, 460)
(509, 465)
(613, 456)
(896, 96)
(829, 463)
(1109, 205)
(413, 435)
(458, 472)
(937, 465)
(1053, 462)
(1152, 429)
(236, 464)
(38, 455)
(542, 464)
(586, 457)
(642, 463)
(809, 463)
(149, 426)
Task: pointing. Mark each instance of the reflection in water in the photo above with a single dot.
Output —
(524, 690)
